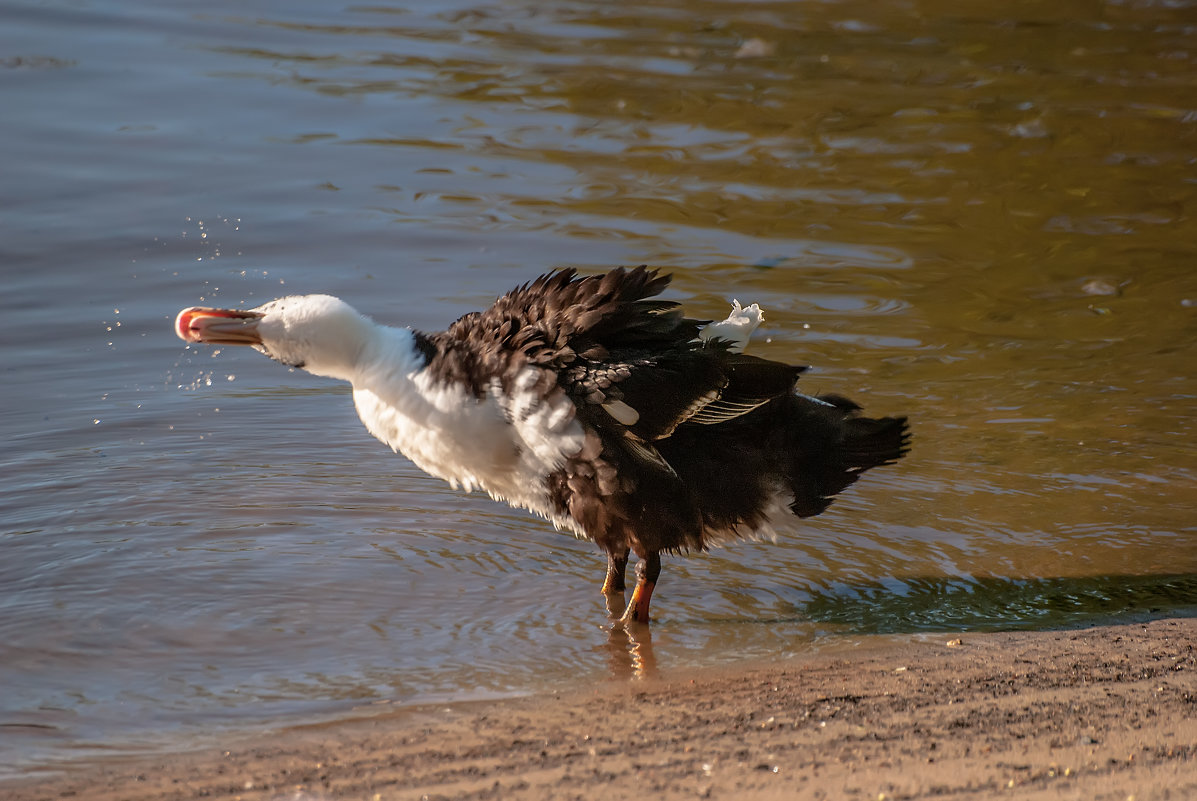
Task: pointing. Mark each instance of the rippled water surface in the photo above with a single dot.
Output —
(977, 214)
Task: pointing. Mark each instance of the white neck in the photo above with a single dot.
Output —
(386, 356)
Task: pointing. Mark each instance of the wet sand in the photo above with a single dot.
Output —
(1100, 713)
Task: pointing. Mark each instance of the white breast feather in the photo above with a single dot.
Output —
(504, 443)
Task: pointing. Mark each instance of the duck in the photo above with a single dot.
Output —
(591, 402)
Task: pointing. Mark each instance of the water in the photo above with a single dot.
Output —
(979, 215)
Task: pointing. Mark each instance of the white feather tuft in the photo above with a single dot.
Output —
(737, 328)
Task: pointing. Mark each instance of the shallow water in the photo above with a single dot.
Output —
(979, 215)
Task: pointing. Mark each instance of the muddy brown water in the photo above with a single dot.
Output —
(979, 214)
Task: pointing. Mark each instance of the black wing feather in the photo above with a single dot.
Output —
(631, 362)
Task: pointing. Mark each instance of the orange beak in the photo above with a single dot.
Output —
(218, 326)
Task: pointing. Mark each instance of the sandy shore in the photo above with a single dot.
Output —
(1101, 713)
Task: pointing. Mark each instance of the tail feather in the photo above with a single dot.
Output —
(872, 442)
(835, 445)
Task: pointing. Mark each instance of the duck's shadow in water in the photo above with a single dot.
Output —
(928, 605)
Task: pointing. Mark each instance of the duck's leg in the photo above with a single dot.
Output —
(647, 572)
(617, 565)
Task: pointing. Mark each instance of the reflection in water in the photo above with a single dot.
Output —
(629, 647)
(630, 652)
